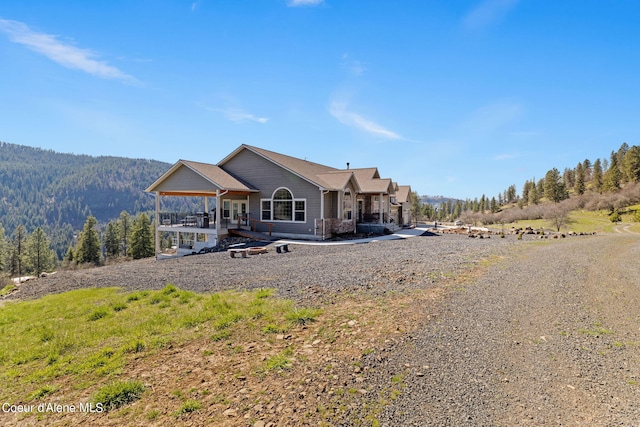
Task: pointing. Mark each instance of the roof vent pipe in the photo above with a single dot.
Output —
(347, 165)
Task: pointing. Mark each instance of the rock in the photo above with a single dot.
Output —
(230, 412)
(259, 423)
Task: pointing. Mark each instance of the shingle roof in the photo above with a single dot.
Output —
(402, 195)
(217, 175)
(370, 181)
(212, 173)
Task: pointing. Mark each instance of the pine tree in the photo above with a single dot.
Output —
(17, 250)
(141, 238)
(580, 185)
(39, 255)
(124, 227)
(611, 179)
(554, 189)
(631, 164)
(596, 180)
(88, 250)
(3, 249)
(111, 240)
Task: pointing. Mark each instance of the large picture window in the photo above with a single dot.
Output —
(283, 207)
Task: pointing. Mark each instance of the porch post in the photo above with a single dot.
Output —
(218, 219)
(206, 213)
(157, 222)
(381, 210)
(321, 212)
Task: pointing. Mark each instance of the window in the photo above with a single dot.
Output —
(299, 210)
(226, 208)
(375, 204)
(283, 207)
(266, 210)
(347, 206)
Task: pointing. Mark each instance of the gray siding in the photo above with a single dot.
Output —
(267, 176)
(184, 179)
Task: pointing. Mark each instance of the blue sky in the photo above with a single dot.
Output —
(458, 98)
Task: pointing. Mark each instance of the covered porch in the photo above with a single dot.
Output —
(221, 202)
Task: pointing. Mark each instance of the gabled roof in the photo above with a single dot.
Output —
(213, 174)
(370, 181)
(339, 180)
(403, 194)
(323, 176)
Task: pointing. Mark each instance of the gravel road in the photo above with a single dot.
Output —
(550, 337)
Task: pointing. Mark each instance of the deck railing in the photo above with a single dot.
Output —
(243, 220)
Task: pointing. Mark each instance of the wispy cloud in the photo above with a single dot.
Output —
(487, 13)
(352, 66)
(62, 53)
(237, 115)
(339, 110)
(297, 3)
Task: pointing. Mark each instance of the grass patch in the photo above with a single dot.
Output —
(78, 338)
(596, 330)
(301, 316)
(118, 393)
(279, 362)
(7, 290)
(188, 407)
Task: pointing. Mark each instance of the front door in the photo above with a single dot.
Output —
(239, 209)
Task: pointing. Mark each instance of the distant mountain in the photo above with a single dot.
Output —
(55, 191)
(437, 200)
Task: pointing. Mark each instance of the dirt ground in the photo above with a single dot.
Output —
(547, 334)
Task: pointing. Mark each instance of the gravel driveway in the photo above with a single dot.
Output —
(308, 274)
(550, 337)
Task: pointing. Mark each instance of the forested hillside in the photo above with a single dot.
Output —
(54, 191)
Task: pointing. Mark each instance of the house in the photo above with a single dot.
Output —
(264, 191)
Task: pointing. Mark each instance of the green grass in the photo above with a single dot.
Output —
(581, 222)
(7, 289)
(188, 407)
(279, 362)
(84, 336)
(117, 394)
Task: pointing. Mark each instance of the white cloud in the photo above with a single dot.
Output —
(488, 12)
(296, 3)
(238, 115)
(64, 54)
(339, 110)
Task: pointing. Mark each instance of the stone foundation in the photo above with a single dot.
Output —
(333, 226)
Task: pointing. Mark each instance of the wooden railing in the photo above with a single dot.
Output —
(254, 223)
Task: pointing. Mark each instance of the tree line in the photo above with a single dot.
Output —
(127, 237)
(58, 191)
(600, 177)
